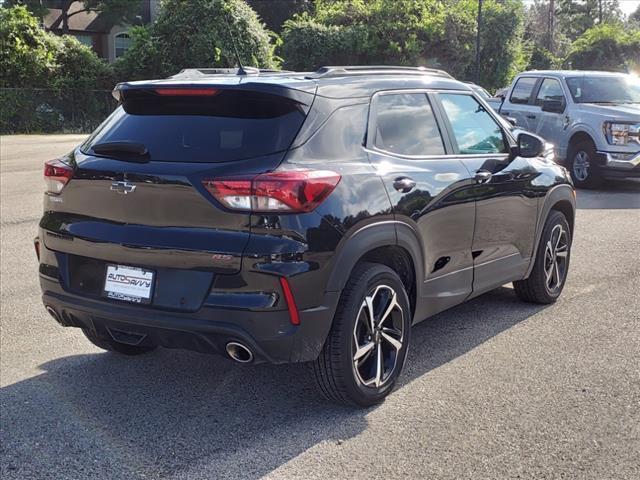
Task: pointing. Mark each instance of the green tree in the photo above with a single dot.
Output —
(197, 33)
(577, 16)
(409, 32)
(27, 53)
(606, 47)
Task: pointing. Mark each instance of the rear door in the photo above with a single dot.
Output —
(425, 187)
(520, 103)
(138, 195)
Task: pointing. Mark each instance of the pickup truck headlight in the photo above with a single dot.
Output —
(618, 133)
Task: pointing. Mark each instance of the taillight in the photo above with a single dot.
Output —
(56, 175)
(295, 191)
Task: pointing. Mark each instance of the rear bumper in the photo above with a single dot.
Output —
(269, 334)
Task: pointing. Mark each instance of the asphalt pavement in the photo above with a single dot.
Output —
(493, 389)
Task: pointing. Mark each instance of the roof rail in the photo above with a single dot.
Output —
(190, 73)
(339, 71)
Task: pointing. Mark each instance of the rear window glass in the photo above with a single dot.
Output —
(231, 125)
(522, 90)
(405, 125)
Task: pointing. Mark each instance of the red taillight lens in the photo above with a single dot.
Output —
(187, 92)
(295, 191)
(56, 175)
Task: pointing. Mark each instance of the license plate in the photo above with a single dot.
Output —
(129, 284)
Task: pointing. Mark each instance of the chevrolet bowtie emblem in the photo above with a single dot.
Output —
(122, 187)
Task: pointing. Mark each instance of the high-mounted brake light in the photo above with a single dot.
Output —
(295, 191)
(187, 92)
(56, 175)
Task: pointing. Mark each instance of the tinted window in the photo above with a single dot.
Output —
(475, 131)
(230, 125)
(405, 125)
(607, 89)
(549, 90)
(522, 90)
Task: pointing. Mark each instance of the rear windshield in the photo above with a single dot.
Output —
(231, 125)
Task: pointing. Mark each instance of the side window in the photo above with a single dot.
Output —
(475, 131)
(550, 90)
(522, 90)
(405, 125)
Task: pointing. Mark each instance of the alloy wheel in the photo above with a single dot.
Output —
(378, 337)
(555, 258)
(581, 166)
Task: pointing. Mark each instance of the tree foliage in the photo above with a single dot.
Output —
(197, 33)
(606, 47)
(408, 32)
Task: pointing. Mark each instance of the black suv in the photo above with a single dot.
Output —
(297, 217)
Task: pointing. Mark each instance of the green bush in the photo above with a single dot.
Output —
(408, 32)
(606, 47)
(197, 33)
(27, 53)
(354, 31)
(49, 83)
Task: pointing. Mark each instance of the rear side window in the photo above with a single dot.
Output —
(475, 131)
(230, 125)
(405, 125)
(522, 90)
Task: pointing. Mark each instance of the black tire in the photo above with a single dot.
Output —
(337, 376)
(537, 287)
(588, 177)
(113, 346)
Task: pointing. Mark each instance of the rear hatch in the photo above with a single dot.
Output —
(137, 195)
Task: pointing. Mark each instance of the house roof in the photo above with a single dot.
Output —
(90, 22)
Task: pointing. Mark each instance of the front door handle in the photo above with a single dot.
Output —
(404, 184)
(532, 117)
(483, 176)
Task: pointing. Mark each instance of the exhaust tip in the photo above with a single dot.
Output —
(53, 313)
(239, 352)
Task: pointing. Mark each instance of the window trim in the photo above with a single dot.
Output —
(372, 125)
(532, 94)
(508, 139)
(115, 47)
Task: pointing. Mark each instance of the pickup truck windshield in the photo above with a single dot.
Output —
(608, 90)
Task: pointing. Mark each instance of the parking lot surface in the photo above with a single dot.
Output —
(494, 388)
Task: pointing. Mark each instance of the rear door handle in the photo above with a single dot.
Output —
(483, 176)
(404, 184)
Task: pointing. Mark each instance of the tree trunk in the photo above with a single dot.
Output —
(65, 16)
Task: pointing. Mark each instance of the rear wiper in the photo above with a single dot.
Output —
(130, 151)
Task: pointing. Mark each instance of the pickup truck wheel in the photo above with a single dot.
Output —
(582, 165)
(368, 342)
(546, 281)
(113, 346)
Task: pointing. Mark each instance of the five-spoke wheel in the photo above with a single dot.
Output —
(366, 348)
(378, 334)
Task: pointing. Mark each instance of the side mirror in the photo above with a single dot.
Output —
(530, 146)
(553, 106)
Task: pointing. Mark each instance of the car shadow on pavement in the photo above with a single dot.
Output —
(178, 414)
(611, 195)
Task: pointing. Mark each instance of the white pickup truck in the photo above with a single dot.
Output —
(593, 119)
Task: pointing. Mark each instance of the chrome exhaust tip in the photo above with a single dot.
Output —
(239, 352)
(53, 313)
